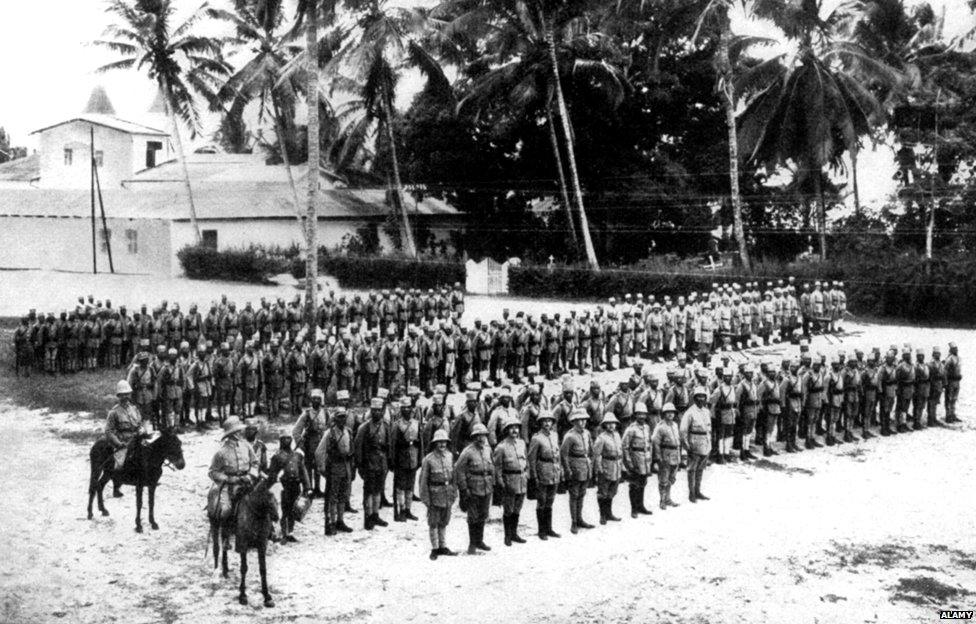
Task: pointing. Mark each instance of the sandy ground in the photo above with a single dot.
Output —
(877, 531)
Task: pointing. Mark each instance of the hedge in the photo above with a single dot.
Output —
(251, 264)
(385, 272)
(906, 286)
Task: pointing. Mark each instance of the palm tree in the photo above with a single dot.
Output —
(805, 106)
(717, 14)
(256, 23)
(519, 42)
(368, 64)
(182, 64)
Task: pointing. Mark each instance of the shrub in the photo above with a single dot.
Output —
(251, 264)
(352, 271)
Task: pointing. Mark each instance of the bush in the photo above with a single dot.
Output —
(353, 271)
(878, 284)
(253, 264)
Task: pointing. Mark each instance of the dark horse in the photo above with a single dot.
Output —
(143, 468)
(250, 521)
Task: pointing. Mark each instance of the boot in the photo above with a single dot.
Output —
(601, 504)
(700, 496)
(574, 517)
(406, 515)
(634, 512)
(540, 518)
(330, 528)
(583, 524)
(342, 526)
(549, 530)
(767, 451)
(507, 524)
(472, 539)
(668, 500)
(664, 504)
(849, 437)
(434, 553)
(368, 522)
(481, 538)
(610, 516)
(377, 521)
(865, 434)
(748, 454)
(830, 440)
(744, 456)
(515, 536)
(719, 459)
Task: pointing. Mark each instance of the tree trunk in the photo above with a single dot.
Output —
(857, 192)
(930, 227)
(180, 156)
(410, 247)
(821, 213)
(728, 99)
(570, 149)
(564, 190)
(283, 142)
(311, 213)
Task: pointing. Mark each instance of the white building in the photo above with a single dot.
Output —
(46, 213)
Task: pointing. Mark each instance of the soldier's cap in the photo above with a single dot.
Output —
(479, 429)
(532, 370)
(284, 433)
(906, 350)
(578, 414)
(440, 436)
(473, 386)
(787, 360)
(952, 345)
(440, 389)
(935, 350)
(317, 394)
(920, 351)
(609, 418)
(251, 423)
(748, 368)
(668, 407)
(184, 345)
(232, 424)
(727, 372)
(640, 408)
(470, 395)
(699, 390)
(143, 342)
(143, 356)
(511, 421)
(226, 347)
(172, 352)
(342, 395)
(405, 402)
(390, 331)
(376, 403)
(340, 412)
(413, 390)
(437, 399)
(858, 353)
(160, 348)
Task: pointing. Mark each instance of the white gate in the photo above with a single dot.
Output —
(487, 277)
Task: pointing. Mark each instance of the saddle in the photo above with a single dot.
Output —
(128, 460)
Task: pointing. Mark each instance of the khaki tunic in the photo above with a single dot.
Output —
(474, 472)
(607, 459)
(437, 488)
(636, 449)
(575, 454)
(543, 458)
(696, 430)
(511, 466)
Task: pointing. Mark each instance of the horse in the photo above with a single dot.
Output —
(251, 521)
(143, 471)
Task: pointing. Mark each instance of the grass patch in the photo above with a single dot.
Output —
(885, 555)
(78, 436)
(923, 590)
(78, 392)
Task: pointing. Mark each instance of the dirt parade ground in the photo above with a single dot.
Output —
(875, 531)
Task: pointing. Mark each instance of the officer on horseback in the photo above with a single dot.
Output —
(233, 469)
(123, 426)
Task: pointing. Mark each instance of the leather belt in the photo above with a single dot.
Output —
(513, 472)
(546, 460)
(578, 455)
(671, 447)
(436, 483)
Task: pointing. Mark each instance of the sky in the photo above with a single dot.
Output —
(46, 79)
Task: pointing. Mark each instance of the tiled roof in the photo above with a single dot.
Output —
(109, 121)
(213, 201)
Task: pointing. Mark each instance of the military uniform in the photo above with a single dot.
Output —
(371, 447)
(334, 460)
(474, 475)
(545, 471)
(696, 436)
(437, 491)
(667, 447)
(637, 454)
(575, 454)
(511, 477)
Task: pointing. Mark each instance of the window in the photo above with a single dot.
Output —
(151, 148)
(69, 156)
(132, 241)
(99, 157)
(106, 237)
(210, 239)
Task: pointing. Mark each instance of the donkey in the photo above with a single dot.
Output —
(143, 469)
(251, 520)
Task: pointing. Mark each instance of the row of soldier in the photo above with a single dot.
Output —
(96, 335)
(510, 442)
